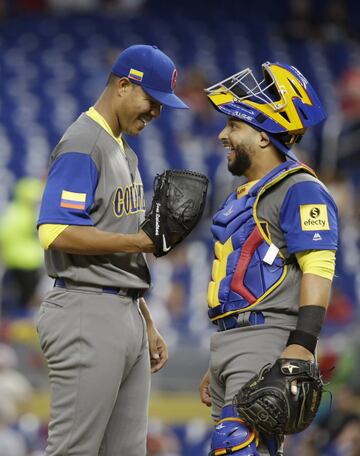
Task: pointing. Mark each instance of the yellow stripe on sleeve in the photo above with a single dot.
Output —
(73, 196)
(48, 233)
(317, 262)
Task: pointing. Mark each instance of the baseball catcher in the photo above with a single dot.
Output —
(274, 247)
(283, 398)
(177, 206)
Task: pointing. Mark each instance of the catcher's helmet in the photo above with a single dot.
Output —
(283, 104)
(233, 436)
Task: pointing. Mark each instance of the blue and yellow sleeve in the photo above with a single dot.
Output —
(70, 190)
(308, 218)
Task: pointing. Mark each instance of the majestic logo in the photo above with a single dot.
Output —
(220, 426)
(128, 200)
(317, 237)
(173, 79)
(314, 217)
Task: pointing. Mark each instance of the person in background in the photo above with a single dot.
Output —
(20, 251)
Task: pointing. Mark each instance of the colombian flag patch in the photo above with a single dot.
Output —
(135, 74)
(72, 200)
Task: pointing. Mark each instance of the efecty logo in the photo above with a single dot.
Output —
(315, 212)
(314, 217)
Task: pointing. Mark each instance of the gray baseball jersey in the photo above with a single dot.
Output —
(285, 298)
(93, 182)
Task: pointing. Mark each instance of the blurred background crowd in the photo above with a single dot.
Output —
(55, 57)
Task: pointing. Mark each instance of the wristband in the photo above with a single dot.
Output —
(308, 327)
(304, 339)
(311, 319)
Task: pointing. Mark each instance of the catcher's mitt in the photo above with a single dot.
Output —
(267, 403)
(177, 206)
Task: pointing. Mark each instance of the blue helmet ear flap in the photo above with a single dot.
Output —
(231, 436)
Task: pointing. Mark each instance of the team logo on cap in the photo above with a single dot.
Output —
(136, 75)
(173, 79)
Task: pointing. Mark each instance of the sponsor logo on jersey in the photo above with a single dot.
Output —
(136, 75)
(314, 217)
(129, 200)
(73, 200)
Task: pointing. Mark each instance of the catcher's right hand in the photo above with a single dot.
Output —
(268, 404)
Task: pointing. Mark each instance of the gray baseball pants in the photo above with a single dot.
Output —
(97, 352)
(239, 354)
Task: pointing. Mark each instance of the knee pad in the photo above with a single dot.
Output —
(231, 436)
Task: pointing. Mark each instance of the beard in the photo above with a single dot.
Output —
(241, 162)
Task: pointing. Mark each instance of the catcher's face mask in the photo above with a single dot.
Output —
(283, 103)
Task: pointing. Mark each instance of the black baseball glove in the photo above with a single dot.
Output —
(267, 403)
(177, 206)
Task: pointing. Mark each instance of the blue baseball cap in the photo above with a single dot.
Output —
(153, 70)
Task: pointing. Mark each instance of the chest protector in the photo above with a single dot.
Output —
(247, 265)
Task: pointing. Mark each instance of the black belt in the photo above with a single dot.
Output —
(240, 320)
(134, 293)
